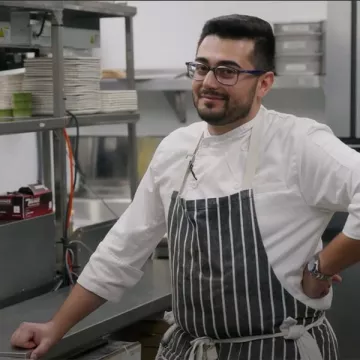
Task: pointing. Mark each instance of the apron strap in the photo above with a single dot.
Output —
(191, 163)
(204, 348)
(252, 160)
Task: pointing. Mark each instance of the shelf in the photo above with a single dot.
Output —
(37, 124)
(79, 14)
(299, 82)
(32, 125)
(69, 7)
(119, 117)
(184, 84)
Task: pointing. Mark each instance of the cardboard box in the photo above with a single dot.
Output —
(28, 202)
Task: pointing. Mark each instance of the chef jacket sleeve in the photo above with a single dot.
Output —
(116, 264)
(329, 175)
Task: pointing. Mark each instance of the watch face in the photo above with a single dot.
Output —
(312, 265)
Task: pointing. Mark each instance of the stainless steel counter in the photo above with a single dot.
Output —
(150, 296)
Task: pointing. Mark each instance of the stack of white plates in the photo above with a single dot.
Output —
(81, 84)
(119, 100)
(9, 84)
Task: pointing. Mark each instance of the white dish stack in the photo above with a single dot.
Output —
(299, 48)
(81, 84)
(9, 83)
(119, 100)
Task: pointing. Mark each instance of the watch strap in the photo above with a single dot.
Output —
(314, 269)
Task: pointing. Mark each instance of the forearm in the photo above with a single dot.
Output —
(339, 254)
(77, 306)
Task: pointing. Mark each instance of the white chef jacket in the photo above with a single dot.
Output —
(304, 175)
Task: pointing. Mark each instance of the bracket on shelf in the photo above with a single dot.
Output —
(177, 101)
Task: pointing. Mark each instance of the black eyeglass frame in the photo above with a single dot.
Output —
(214, 68)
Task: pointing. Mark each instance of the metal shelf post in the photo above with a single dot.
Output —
(130, 76)
(59, 111)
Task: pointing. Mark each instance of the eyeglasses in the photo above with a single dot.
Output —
(225, 75)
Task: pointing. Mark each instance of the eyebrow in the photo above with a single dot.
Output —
(223, 62)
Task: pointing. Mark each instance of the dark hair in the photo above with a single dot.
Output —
(237, 27)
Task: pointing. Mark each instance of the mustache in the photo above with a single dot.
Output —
(213, 93)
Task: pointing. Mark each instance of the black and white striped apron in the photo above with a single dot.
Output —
(227, 300)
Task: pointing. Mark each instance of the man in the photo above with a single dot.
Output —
(244, 197)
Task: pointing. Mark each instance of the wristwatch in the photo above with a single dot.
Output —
(314, 269)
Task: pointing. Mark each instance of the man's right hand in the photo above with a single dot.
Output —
(41, 337)
(36, 337)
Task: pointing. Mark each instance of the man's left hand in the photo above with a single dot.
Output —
(317, 289)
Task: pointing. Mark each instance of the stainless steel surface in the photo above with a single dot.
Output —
(299, 44)
(27, 255)
(337, 67)
(52, 123)
(32, 125)
(91, 236)
(295, 28)
(119, 117)
(105, 164)
(309, 65)
(184, 84)
(117, 350)
(299, 82)
(344, 314)
(150, 296)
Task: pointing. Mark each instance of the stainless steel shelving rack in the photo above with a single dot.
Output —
(85, 15)
(174, 86)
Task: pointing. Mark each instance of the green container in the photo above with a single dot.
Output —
(21, 97)
(6, 115)
(22, 113)
(22, 105)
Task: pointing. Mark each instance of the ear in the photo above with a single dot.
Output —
(265, 83)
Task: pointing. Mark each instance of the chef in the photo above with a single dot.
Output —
(244, 196)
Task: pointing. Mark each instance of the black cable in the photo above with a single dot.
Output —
(42, 26)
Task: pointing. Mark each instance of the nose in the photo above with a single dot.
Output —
(210, 81)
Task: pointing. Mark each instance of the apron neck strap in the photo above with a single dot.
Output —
(191, 163)
(252, 160)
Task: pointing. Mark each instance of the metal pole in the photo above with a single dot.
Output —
(130, 75)
(44, 159)
(133, 168)
(59, 111)
(129, 40)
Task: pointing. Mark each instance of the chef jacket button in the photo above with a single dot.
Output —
(194, 184)
(237, 186)
(205, 145)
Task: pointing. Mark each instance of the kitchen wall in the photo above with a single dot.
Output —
(166, 32)
(165, 35)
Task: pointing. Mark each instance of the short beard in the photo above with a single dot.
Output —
(228, 115)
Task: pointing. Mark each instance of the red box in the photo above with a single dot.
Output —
(28, 202)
